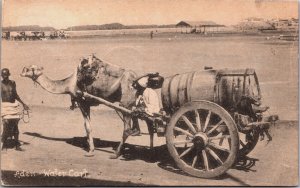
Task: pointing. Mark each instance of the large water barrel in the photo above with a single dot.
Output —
(182, 88)
(224, 87)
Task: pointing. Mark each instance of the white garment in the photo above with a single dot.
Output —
(11, 110)
(150, 100)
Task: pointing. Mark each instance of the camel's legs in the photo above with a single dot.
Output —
(88, 129)
(85, 110)
(127, 120)
(127, 99)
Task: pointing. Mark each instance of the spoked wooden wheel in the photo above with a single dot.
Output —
(247, 142)
(202, 138)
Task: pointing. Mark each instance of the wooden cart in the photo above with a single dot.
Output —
(211, 117)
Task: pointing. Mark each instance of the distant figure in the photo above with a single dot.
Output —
(10, 111)
(151, 34)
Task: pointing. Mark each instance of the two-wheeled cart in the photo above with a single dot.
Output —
(211, 117)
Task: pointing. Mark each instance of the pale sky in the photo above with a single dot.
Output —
(65, 13)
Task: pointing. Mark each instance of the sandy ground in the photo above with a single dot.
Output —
(54, 138)
(55, 147)
(275, 62)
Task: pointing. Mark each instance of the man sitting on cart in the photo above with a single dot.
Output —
(147, 105)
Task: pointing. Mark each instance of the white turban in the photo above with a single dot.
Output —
(143, 82)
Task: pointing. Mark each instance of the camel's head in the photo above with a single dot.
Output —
(32, 71)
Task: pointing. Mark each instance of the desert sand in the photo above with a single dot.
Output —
(54, 139)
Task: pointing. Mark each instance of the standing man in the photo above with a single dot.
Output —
(10, 97)
(151, 35)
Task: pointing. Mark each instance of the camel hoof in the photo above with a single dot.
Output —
(90, 154)
(115, 156)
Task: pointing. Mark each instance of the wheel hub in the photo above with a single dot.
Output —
(200, 141)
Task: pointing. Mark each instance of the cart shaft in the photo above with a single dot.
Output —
(107, 103)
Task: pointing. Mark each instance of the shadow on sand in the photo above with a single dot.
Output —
(159, 155)
(245, 163)
(10, 143)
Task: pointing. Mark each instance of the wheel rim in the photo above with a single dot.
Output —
(248, 142)
(202, 138)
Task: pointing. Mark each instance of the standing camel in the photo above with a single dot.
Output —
(96, 78)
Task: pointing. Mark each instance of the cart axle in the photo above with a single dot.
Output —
(200, 141)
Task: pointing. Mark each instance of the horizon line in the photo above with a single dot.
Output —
(140, 24)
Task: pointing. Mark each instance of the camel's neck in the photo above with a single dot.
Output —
(64, 86)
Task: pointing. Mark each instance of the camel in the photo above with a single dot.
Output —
(97, 78)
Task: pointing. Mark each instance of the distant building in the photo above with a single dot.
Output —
(295, 20)
(6, 35)
(254, 19)
(255, 24)
(285, 24)
(198, 26)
